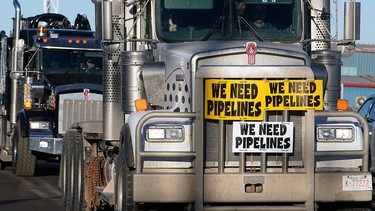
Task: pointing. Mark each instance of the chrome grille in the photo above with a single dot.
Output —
(72, 109)
(295, 159)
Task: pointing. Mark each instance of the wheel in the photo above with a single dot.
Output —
(68, 166)
(124, 184)
(23, 162)
(119, 193)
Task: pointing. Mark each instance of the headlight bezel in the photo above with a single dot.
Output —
(165, 133)
(335, 133)
(39, 125)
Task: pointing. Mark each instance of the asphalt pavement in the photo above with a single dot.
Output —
(38, 193)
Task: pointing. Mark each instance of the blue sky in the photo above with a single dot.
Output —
(70, 8)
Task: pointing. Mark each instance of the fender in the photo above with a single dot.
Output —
(126, 141)
(24, 116)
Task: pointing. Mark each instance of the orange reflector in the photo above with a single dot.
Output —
(141, 105)
(45, 40)
(78, 41)
(84, 41)
(70, 41)
(342, 105)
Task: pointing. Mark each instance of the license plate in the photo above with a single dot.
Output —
(356, 183)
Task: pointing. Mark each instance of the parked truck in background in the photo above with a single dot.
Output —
(45, 86)
(203, 110)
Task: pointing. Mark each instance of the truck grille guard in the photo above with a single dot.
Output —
(239, 176)
(199, 148)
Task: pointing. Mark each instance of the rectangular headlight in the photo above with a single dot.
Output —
(335, 134)
(326, 133)
(39, 125)
(165, 133)
(173, 133)
(344, 133)
(156, 133)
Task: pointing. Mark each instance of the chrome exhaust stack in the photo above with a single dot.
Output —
(14, 74)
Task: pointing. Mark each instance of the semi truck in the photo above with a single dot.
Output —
(46, 86)
(220, 105)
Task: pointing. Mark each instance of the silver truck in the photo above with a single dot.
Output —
(220, 105)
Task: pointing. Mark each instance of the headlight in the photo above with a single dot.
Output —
(344, 133)
(39, 125)
(335, 134)
(165, 133)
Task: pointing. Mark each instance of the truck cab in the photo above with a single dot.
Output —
(223, 108)
(46, 86)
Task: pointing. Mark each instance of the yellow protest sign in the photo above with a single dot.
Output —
(248, 99)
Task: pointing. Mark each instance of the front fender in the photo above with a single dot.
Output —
(24, 116)
(126, 140)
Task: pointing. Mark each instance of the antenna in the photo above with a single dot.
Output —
(47, 4)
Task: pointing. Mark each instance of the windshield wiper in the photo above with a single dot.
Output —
(240, 7)
(250, 27)
(216, 24)
(213, 28)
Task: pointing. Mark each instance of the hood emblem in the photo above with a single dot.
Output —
(86, 93)
(251, 50)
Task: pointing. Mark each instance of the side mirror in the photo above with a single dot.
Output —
(107, 20)
(352, 19)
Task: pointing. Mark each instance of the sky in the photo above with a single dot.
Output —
(70, 8)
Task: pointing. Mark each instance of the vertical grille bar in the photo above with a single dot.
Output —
(221, 147)
(285, 156)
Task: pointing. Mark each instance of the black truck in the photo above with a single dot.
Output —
(50, 77)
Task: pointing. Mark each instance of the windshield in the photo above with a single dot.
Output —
(261, 20)
(55, 61)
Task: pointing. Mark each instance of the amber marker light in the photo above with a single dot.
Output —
(78, 41)
(41, 30)
(84, 41)
(342, 105)
(70, 41)
(141, 105)
(27, 105)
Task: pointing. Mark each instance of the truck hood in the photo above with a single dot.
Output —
(235, 51)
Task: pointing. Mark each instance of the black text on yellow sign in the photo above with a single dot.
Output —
(294, 95)
(247, 99)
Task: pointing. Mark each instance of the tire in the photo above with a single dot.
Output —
(124, 184)
(23, 162)
(2, 165)
(68, 173)
(79, 174)
(62, 171)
